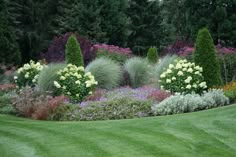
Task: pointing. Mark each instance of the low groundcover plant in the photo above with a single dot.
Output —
(75, 83)
(191, 102)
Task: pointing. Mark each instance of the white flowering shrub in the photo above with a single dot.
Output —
(184, 77)
(28, 74)
(75, 83)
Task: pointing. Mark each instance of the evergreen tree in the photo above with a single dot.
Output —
(99, 20)
(114, 21)
(27, 16)
(205, 56)
(73, 52)
(189, 16)
(152, 55)
(173, 13)
(9, 52)
(145, 25)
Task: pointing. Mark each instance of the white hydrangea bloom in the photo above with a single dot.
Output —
(56, 84)
(203, 85)
(168, 80)
(168, 71)
(77, 82)
(189, 86)
(190, 70)
(171, 66)
(173, 78)
(180, 73)
(163, 75)
(178, 66)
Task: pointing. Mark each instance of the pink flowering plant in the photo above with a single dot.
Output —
(28, 74)
(183, 77)
(115, 53)
(75, 83)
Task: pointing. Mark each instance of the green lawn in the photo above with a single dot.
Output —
(208, 133)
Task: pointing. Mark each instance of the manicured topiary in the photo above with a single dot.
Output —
(205, 56)
(152, 55)
(73, 52)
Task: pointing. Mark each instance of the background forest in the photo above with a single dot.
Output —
(28, 27)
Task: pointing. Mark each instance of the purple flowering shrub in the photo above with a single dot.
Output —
(115, 53)
(185, 48)
(113, 49)
(56, 50)
(178, 47)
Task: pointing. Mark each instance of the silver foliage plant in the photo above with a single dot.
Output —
(191, 102)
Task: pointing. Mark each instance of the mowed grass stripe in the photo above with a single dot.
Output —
(51, 137)
(16, 147)
(207, 133)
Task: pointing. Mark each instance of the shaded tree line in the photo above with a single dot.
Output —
(28, 26)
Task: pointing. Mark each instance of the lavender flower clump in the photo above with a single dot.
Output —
(142, 93)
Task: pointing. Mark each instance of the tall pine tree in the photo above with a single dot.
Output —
(28, 20)
(145, 25)
(9, 53)
(205, 56)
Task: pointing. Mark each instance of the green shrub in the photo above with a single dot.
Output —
(190, 102)
(230, 91)
(107, 73)
(184, 77)
(138, 70)
(75, 83)
(47, 76)
(64, 113)
(6, 104)
(205, 56)
(228, 67)
(231, 95)
(123, 108)
(162, 66)
(73, 52)
(152, 55)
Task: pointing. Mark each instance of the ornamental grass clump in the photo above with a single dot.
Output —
(75, 83)
(184, 77)
(47, 76)
(138, 70)
(28, 74)
(107, 73)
